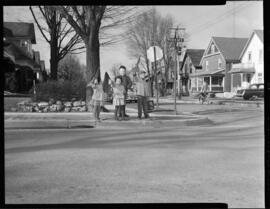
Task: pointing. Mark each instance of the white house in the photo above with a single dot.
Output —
(251, 68)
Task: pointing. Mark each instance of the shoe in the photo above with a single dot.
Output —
(126, 115)
(139, 117)
(147, 116)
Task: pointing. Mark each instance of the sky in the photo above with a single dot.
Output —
(236, 19)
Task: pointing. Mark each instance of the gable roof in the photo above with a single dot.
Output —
(195, 55)
(22, 30)
(230, 48)
(259, 34)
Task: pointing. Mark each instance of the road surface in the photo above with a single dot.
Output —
(222, 161)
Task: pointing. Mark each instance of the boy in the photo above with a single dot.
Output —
(143, 92)
(127, 83)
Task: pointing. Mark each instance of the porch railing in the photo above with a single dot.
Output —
(242, 65)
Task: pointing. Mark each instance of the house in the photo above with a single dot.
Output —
(251, 68)
(189, 68)
(20, 62)
(217, 61)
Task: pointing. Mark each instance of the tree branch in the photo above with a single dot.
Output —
(40, 29)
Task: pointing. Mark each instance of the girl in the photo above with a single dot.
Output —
(97, 98)
(118, 98)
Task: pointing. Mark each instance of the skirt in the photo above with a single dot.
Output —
(97, 102)
(118, 101)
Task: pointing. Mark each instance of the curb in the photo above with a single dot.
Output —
(156, 121)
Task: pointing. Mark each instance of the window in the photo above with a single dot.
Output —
(24, 44)
(249, 57)
(260, 79)
(219, 63)
(212, 49)
(206, 65)
(260, 56)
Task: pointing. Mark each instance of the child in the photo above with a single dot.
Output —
(97, 98)
(143, 92)
(118, 98)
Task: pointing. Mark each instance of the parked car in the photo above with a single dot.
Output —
(256, 90)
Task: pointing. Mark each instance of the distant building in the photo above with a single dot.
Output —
(21, 63)
(218, 58)
(189, 68)
(251, 68)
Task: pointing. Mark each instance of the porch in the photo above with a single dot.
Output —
(242, 75)
(215, 81)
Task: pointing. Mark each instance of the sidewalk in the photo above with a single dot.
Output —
(216, 100)
(86, 120)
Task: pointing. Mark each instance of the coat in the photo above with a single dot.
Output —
(127, 83)
(143, 87)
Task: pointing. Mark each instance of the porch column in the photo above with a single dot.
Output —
(210, 83)
(241, 82)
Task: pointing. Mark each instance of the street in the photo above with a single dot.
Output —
(221, 161)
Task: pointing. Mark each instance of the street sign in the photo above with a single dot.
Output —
(150, 53)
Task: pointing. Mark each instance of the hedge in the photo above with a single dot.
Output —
(60, 90)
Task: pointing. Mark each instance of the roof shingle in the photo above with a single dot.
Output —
(231, 48)
(195, 55)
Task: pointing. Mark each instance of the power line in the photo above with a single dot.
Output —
(222, 15)
(221, 18)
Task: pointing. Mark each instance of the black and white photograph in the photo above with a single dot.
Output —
(134, 104)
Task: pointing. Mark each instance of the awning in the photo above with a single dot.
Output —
(219, 72)
(242, 70)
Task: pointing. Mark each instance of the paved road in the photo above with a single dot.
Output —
(222, 161)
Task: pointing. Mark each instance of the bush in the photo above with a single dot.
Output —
(59, 90)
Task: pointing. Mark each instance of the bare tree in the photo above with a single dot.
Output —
(149, 29)
(114, 70)
(58, 33)
(97, 25)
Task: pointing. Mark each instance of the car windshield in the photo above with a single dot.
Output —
(261, 86)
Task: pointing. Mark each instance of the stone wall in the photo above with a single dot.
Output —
(51, 106)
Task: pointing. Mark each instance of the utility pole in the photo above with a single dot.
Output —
(177, 38)
(155, 63)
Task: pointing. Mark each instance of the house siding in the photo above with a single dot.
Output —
(254, 46)
(212, 63)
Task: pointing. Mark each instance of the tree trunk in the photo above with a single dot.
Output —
(92, 63)
(54, 51)
(53, 62)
